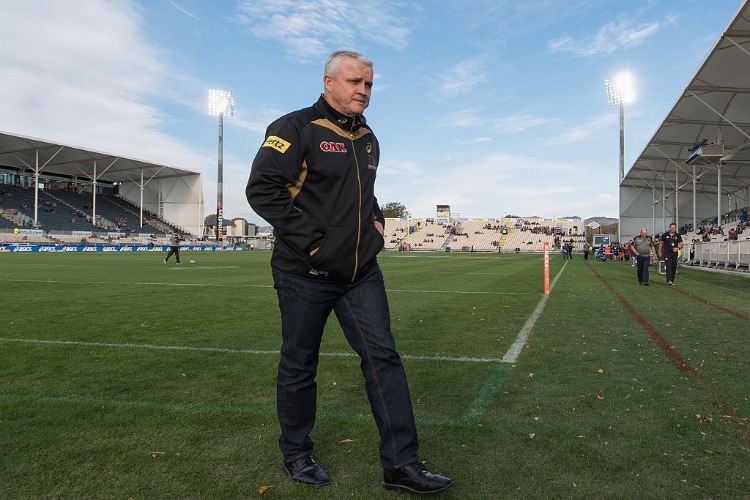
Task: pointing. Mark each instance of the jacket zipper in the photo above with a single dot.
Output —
(359, 211)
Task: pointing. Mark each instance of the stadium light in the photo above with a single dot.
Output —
(620, 92)
(220, 102)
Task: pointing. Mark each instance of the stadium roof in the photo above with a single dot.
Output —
(713, 110)
(60, 159)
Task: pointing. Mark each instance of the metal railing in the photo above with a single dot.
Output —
(724, 254)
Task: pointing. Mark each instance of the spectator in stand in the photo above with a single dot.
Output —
(174, 248)
(643, 247)
(671, 244)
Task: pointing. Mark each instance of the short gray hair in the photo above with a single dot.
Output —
(332, 64)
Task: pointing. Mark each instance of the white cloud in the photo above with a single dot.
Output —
(510, 124)
(309, 28)
(90, 76)
(583, 132)
(462, 77)
(518, 123)
(611, 37)
(484, 185)
(462, 119)
(183, 10)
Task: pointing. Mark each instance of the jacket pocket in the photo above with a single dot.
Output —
(336, 251)
(371, 245)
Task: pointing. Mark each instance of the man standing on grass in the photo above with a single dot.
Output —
(643, 247)
(313, 180)
(174, 248)
(671, 244)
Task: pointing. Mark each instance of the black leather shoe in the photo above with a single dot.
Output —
(416, 479)
(306, 470)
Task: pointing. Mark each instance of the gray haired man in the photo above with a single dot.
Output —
(644, 249)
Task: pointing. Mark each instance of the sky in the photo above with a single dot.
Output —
(494, 107)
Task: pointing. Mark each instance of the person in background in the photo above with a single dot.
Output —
(643, 247)
(671, 244)
(313, 179)
(174, 248)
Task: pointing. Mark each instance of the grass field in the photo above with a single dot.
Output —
(122, 377)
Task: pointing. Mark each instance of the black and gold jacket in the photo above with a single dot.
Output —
(313, 180)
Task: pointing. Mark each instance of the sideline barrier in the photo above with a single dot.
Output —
(726, 254)
(108, 248)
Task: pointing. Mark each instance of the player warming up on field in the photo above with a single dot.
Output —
(174, 248)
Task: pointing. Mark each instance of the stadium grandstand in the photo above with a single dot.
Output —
(694, 171)
(509, 234)
(53, 193)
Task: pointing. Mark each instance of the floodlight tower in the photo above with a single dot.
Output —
(220, 102)
(620, 92)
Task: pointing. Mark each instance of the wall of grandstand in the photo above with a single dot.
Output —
(178, 199)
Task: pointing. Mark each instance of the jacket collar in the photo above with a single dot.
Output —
(347, 123)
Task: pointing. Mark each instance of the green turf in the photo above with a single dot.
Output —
(123, 377)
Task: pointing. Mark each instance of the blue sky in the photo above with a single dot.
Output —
(491, 106)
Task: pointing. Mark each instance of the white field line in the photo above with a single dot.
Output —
(515, 350)
(233, 351)
(224, 285)
(144, 283)
(511, 356)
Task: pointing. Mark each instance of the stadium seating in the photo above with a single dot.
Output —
(484, 235)
(476, 236)
(394, 232)
(64, 211)
(427, 235)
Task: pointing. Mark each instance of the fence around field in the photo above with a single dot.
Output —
(725, 254)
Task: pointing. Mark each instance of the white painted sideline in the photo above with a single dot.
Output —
(515, 350)
(224, 285)
(235, 351)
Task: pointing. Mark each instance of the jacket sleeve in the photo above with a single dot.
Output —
(277, 170)
(377, 212)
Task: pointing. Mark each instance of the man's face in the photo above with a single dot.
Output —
(672, 228)
(644, 232)
(348, 92)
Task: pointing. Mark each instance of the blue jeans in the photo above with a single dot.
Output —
(362, 311)
(642, 261)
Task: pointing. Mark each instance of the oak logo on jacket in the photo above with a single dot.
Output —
(333, 147)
